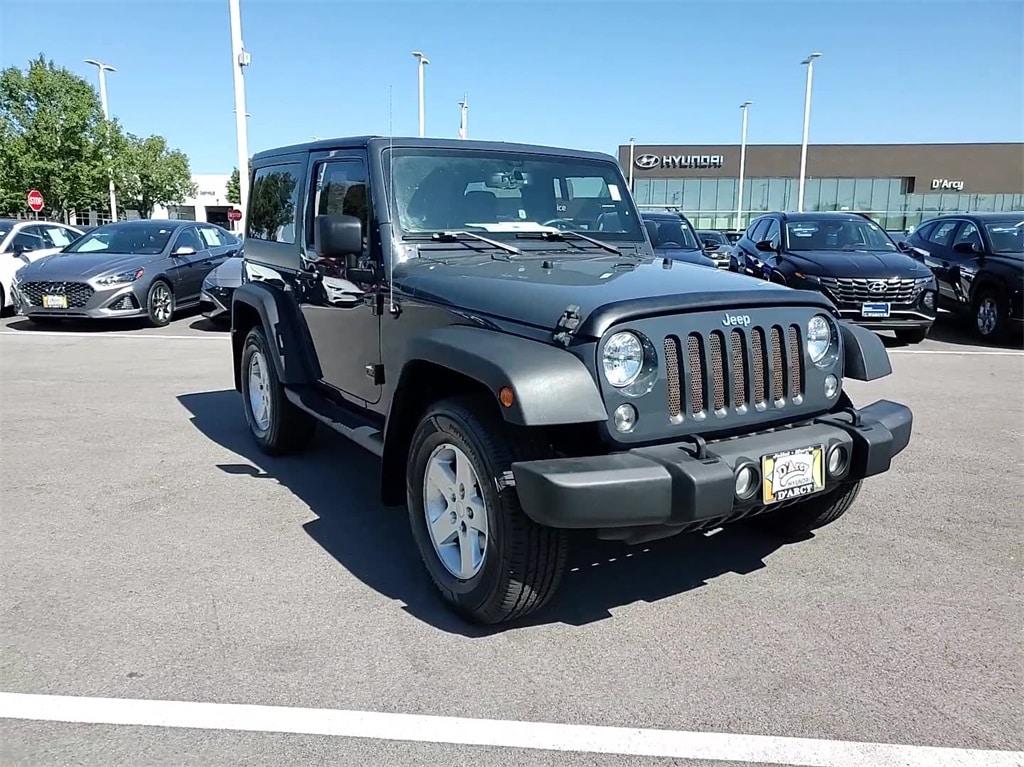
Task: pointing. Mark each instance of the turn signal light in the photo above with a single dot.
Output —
(505, 396)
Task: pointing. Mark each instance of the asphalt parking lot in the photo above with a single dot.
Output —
(150, 553)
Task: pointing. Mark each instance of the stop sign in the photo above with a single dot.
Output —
(234, 215)
(35, 200)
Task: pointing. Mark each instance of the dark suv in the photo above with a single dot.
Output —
(491, 320)
(873, 281)
(978, 259)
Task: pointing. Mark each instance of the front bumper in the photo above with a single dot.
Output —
(102, 303)
(898, 319)
(678, 485)
(214, 302)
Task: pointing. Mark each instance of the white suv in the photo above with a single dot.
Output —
(24, 241)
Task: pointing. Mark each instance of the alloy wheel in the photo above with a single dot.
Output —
(455, 510)
(259, 391)
(988, 315)
(161, 303)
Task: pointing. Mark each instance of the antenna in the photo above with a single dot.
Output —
(390, 190)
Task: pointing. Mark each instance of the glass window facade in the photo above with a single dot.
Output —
(710, 203)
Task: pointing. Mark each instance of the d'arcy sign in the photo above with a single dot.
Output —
(650, 161)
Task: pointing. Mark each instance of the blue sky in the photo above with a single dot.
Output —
(586, 74)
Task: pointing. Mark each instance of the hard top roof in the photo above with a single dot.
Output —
(377, 143)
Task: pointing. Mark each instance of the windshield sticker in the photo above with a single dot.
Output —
(613, 190)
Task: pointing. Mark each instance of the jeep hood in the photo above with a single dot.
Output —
(522, 288)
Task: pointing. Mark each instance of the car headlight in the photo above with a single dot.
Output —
(623, 359)
(822, 341)
(122, 278)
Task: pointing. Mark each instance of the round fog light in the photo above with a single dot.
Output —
(929, 299)
(624, 418)
(837, 460)
(746, 482)
(831, 386)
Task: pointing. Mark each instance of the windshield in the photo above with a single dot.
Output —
(1006, 236)
(135, 239)
(4, 231)
(501, 192)
(856, 235)
(671, 234)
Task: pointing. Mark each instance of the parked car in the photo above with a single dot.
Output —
(717, 246)
(218, 288)
(520, 382)
(978, 260)
(23, 241)
(673, 237)
(143, 268)
(850, 259)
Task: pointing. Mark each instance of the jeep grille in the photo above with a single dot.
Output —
(753, 368)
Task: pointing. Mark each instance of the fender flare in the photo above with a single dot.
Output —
(550, 385)
(865, 357)
(291, 347)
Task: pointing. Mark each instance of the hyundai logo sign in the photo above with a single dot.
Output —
(878, 286)
(679, 161)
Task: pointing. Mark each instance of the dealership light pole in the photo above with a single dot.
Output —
(423, 61)
(809, 61)
(743, 160)
(240, 58)
(632, 151)
(464, 117)
(103, 69)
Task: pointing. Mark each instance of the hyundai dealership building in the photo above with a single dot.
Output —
(896, 184)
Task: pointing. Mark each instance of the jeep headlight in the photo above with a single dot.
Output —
(630, 363)
(822, 341)
(122, 278)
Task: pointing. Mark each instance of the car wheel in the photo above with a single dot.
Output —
(278, 427)
(989, 311)
(801, 518)
(159, 304)
(914, 336)
(489, 560)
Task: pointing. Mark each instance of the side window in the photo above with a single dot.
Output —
(211, 237)
(188, 238)
(943, 233)
(757, 231)
(339, 189)
(272, 203)
(968, 233)
(58, 236)
(924, 231)
(774, 233)
(29, 238)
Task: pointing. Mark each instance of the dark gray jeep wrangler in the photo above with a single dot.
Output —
(491, 320)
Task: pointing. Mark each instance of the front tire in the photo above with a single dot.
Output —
(915, 336)
(278, 427)
(159, 304)
(801, 518)
(488, 559)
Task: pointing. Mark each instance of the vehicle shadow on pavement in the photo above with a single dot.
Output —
(954, 330)
(339, 482)
(86, 325)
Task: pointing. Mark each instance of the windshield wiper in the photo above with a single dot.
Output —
(456, 236)
(563, 235)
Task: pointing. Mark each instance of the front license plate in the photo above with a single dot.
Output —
(874, 310)
(792, 474)
(55, 302)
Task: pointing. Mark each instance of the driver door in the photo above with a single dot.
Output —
(341, 310)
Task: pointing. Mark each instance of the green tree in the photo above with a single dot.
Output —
(149, 173)
(234, 192)
(52, 138)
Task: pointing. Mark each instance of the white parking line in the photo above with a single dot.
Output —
(964, 352)
(162, 336)
(799, 752)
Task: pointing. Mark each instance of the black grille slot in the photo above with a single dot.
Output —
(78, 293)
(723, 372)
(695, 350)
(675, 402)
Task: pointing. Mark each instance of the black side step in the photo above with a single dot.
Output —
(348, 424)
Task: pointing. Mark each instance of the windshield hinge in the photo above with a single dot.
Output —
(566, 325)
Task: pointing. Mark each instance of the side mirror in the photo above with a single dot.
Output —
(337, 236)
(765, 246)
(965, 248)
(903, 245)
(20, 248)
(184, 250)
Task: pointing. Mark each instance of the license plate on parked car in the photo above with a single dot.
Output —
(55, 302)
(874, 310)
(793, 473)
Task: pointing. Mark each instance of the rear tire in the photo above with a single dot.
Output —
(278, 427)
(915, 336)
(799, 519)
(520, 563)
(989, 312)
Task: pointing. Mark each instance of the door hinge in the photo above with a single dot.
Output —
(376, 372)
(376, 302)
